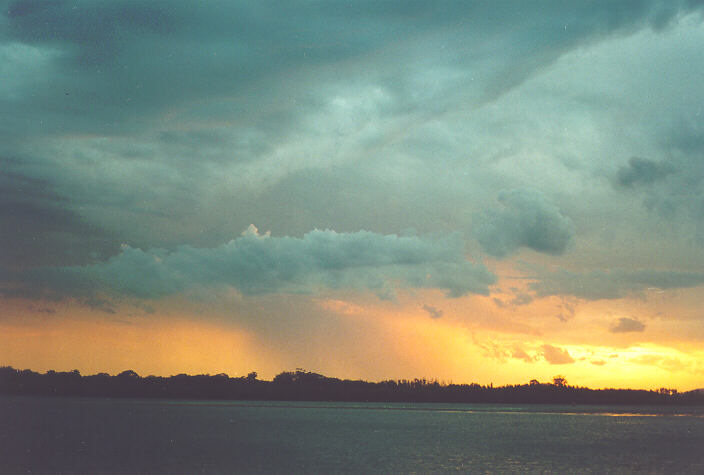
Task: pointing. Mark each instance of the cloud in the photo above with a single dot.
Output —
(261, 264)
(290, 116)
(566, 310)
(555, 355)
(293, 95)
(641, 171)
(520, 353)
(674, 187)
(526, 219)
(611, 284)
(626, 325)
(667, 363)
(37, 228)
(521, 298)
(432, 311)
(99, 304)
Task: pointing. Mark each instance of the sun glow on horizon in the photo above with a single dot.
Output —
(416, 336)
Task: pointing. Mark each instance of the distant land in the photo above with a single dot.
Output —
(301, 385)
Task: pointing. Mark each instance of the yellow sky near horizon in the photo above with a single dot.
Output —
(359, 336)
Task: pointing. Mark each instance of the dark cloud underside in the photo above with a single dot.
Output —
(612, 284)
(261, 264)
(526, 219)
(641, 171)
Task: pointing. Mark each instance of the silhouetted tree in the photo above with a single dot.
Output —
(128, 374)
(306, 385)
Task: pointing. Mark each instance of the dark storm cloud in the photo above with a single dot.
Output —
(116, 62)
(526, 219)
(681, 193)
(672, 188)
(641, 171)
(612, 284)
(627, 325)
(95, 28)
(37, 228)
(261, 264)
(187, 88)
(687, 134)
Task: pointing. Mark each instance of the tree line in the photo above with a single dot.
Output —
(302, 385)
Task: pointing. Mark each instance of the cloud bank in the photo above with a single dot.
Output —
(612, 284)
(262, 264)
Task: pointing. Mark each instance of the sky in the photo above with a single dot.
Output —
(485, 192)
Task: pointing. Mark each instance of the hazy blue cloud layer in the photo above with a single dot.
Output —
(262, 264)
(173, 125)
(612, 284)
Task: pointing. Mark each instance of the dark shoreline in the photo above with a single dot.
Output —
(307, 386)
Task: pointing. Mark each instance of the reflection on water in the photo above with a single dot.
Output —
(125, 436)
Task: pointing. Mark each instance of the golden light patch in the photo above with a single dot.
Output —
(151, 345)
(356, 336)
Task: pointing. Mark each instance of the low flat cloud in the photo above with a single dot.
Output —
(555, 355)
(667, 363)
(611, 284)
(627, 325)
(525, 219)
(99, 304)
(261, 264)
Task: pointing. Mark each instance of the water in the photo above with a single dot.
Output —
(40, 435)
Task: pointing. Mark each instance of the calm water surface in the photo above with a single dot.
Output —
(39, 435)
